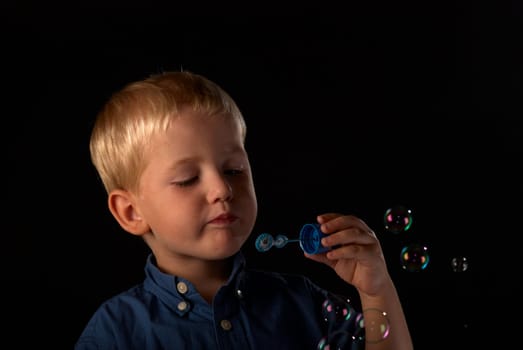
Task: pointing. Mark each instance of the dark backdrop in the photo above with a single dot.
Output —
(352, 109)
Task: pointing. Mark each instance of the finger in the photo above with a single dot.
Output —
(353, 235)
(323, 218)
(322, 258)
(338, 223)
(350, 251)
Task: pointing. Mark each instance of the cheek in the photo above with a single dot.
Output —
(246, 195)
(176, 216)
(244, 189)
(156, 205)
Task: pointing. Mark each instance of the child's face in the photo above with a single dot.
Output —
(197, 193)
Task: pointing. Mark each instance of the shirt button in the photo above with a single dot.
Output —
(182, 305)
(226, 325)
(182, 287)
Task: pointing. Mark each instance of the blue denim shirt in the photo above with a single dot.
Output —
(253, 310)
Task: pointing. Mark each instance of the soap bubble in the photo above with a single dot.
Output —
(375, 324)
(336, 311)
(459, 264)
(281, 241)
(414, 257)
(264, 242)
(340, 340)
(397, 219)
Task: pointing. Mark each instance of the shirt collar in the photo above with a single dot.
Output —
(174, 289)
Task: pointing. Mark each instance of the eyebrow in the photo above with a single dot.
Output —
(187, 160)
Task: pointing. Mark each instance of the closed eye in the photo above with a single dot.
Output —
(234, 172)
(186, 183)
(193, 180)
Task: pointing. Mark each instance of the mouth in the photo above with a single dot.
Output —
(224, 219)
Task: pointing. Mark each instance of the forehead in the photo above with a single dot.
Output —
(200, 129)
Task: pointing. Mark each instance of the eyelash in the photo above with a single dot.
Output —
(192, 180)
(234, 172)
(186, 183)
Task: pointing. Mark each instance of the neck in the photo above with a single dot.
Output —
(207, 276)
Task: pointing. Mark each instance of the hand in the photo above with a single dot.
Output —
(356, 256)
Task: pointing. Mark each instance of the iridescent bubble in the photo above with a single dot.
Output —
(264, 242)
(339, 340)
(414, 257)
(375, 324)
(335, 311)
(397, 219)
(343, 332)
(280, 241)
(459, 264)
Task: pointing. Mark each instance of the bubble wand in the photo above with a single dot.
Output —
(309, 240)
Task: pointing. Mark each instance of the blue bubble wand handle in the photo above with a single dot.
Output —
(310, 239)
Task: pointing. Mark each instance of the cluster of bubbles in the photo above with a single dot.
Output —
(266, 241)
(350, 330)
(414, 257)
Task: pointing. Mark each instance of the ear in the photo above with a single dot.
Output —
(122, 206)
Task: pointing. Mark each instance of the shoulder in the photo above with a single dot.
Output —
(111, 317)
(131, 301)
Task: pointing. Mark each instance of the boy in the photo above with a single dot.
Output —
(170, 153)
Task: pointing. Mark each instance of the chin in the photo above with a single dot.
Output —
(224, 252)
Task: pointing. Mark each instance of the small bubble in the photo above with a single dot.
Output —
(375, 324)
(414, 257)
(264, 242)
(459, 264)
(339, 340)
(397, 219)
(280, 241)
(336, 311)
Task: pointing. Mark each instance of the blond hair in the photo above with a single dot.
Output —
(124, 126)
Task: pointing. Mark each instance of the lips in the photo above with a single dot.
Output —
(225, 218)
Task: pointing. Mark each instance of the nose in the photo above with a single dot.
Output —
(220, 190)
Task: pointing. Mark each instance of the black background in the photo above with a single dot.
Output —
(350, 109)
